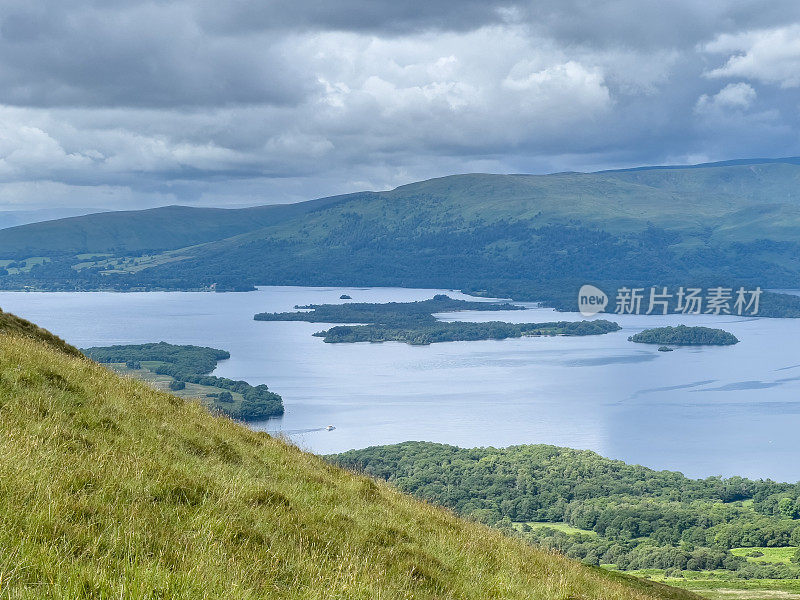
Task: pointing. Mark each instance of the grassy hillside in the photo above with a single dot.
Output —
(527, 236)
(12, 325)
(113, 490)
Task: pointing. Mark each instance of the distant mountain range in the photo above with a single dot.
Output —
(13, 218)
(526, 236)
(154, 229)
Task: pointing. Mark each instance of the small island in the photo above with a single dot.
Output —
(387, 313)
(345, 297)
(460, 331)
(665, 349)
(414, 322)
(685, 336)
(184, 371)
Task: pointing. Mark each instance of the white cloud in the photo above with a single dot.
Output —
(767, 55)
(737, 96)
(44, 144)
(570, 86)
(459, 90)
(25, 147)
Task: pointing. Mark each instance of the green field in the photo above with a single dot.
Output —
(110, 264)
(23, 265)
(769, 555)
(562, 527)
(718, 586)
(162, 382)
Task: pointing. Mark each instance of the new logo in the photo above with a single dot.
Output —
(591, 300)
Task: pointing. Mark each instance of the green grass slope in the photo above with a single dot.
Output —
(109, 489)
(13, 325)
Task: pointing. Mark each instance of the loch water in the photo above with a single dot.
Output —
(702, 410)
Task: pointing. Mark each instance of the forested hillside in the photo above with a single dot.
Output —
(524, 236)
(600, 510)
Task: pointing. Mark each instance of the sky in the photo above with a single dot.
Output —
(110, 104)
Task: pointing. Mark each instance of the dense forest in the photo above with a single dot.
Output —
(192, 364)
(685, 336)
(624, 515)
(414, 322)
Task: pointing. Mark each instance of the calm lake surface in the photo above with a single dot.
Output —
(702, 411)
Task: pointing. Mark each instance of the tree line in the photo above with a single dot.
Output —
(632, 516)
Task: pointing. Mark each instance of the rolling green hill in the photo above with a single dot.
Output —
(135, 231)
(111, 489)
(525, 236)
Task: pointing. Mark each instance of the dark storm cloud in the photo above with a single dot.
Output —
(118, 103)
(647, 24)
(372, 16)
(216, 53)
(189, 53)
(68, 54)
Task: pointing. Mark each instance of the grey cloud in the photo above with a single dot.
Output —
(68, 54)
(204, 53)
(243, 102)
(189, 53)
(372, 16)
(649, 24)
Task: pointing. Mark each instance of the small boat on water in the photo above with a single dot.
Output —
(330, 428)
